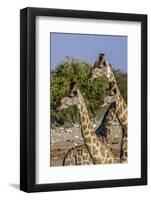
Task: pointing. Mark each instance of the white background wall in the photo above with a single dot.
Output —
(9, 98)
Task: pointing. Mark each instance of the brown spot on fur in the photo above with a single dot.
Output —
(109, 161)
(87, 120)
(94, 149)
(119, 109)
(83, 118)
(97, 144)
(88, 140)
(94, 140)
(89, 147)
(84, 126)
(124, 127)
(86, 132)
(103, 153)
(89, 126)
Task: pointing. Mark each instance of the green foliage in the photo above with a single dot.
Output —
(69, 70)
(121, 79)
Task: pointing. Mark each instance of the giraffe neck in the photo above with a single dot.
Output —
(111, 79)
(104, 130)
(85, 120)
(121, 107)
(96, 148)
(122, 113)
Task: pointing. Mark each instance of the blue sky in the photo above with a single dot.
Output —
(88, 47)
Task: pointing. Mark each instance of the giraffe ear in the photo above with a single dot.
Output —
(110, 65)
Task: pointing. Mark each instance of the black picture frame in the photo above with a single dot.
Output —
(28, 99)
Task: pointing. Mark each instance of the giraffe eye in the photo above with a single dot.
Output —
(75, 93)
(100, 67)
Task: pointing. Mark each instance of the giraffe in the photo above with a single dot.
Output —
(111, 95)
(77, 155)
(104, 131)
(99, 151)
(104, 135)
(103, 68)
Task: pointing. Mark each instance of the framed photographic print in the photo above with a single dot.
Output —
(83, 99)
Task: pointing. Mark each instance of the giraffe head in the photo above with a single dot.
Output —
(100, 68)
(112, 95)
(108, 99)
(71, 98)
(64, 102)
